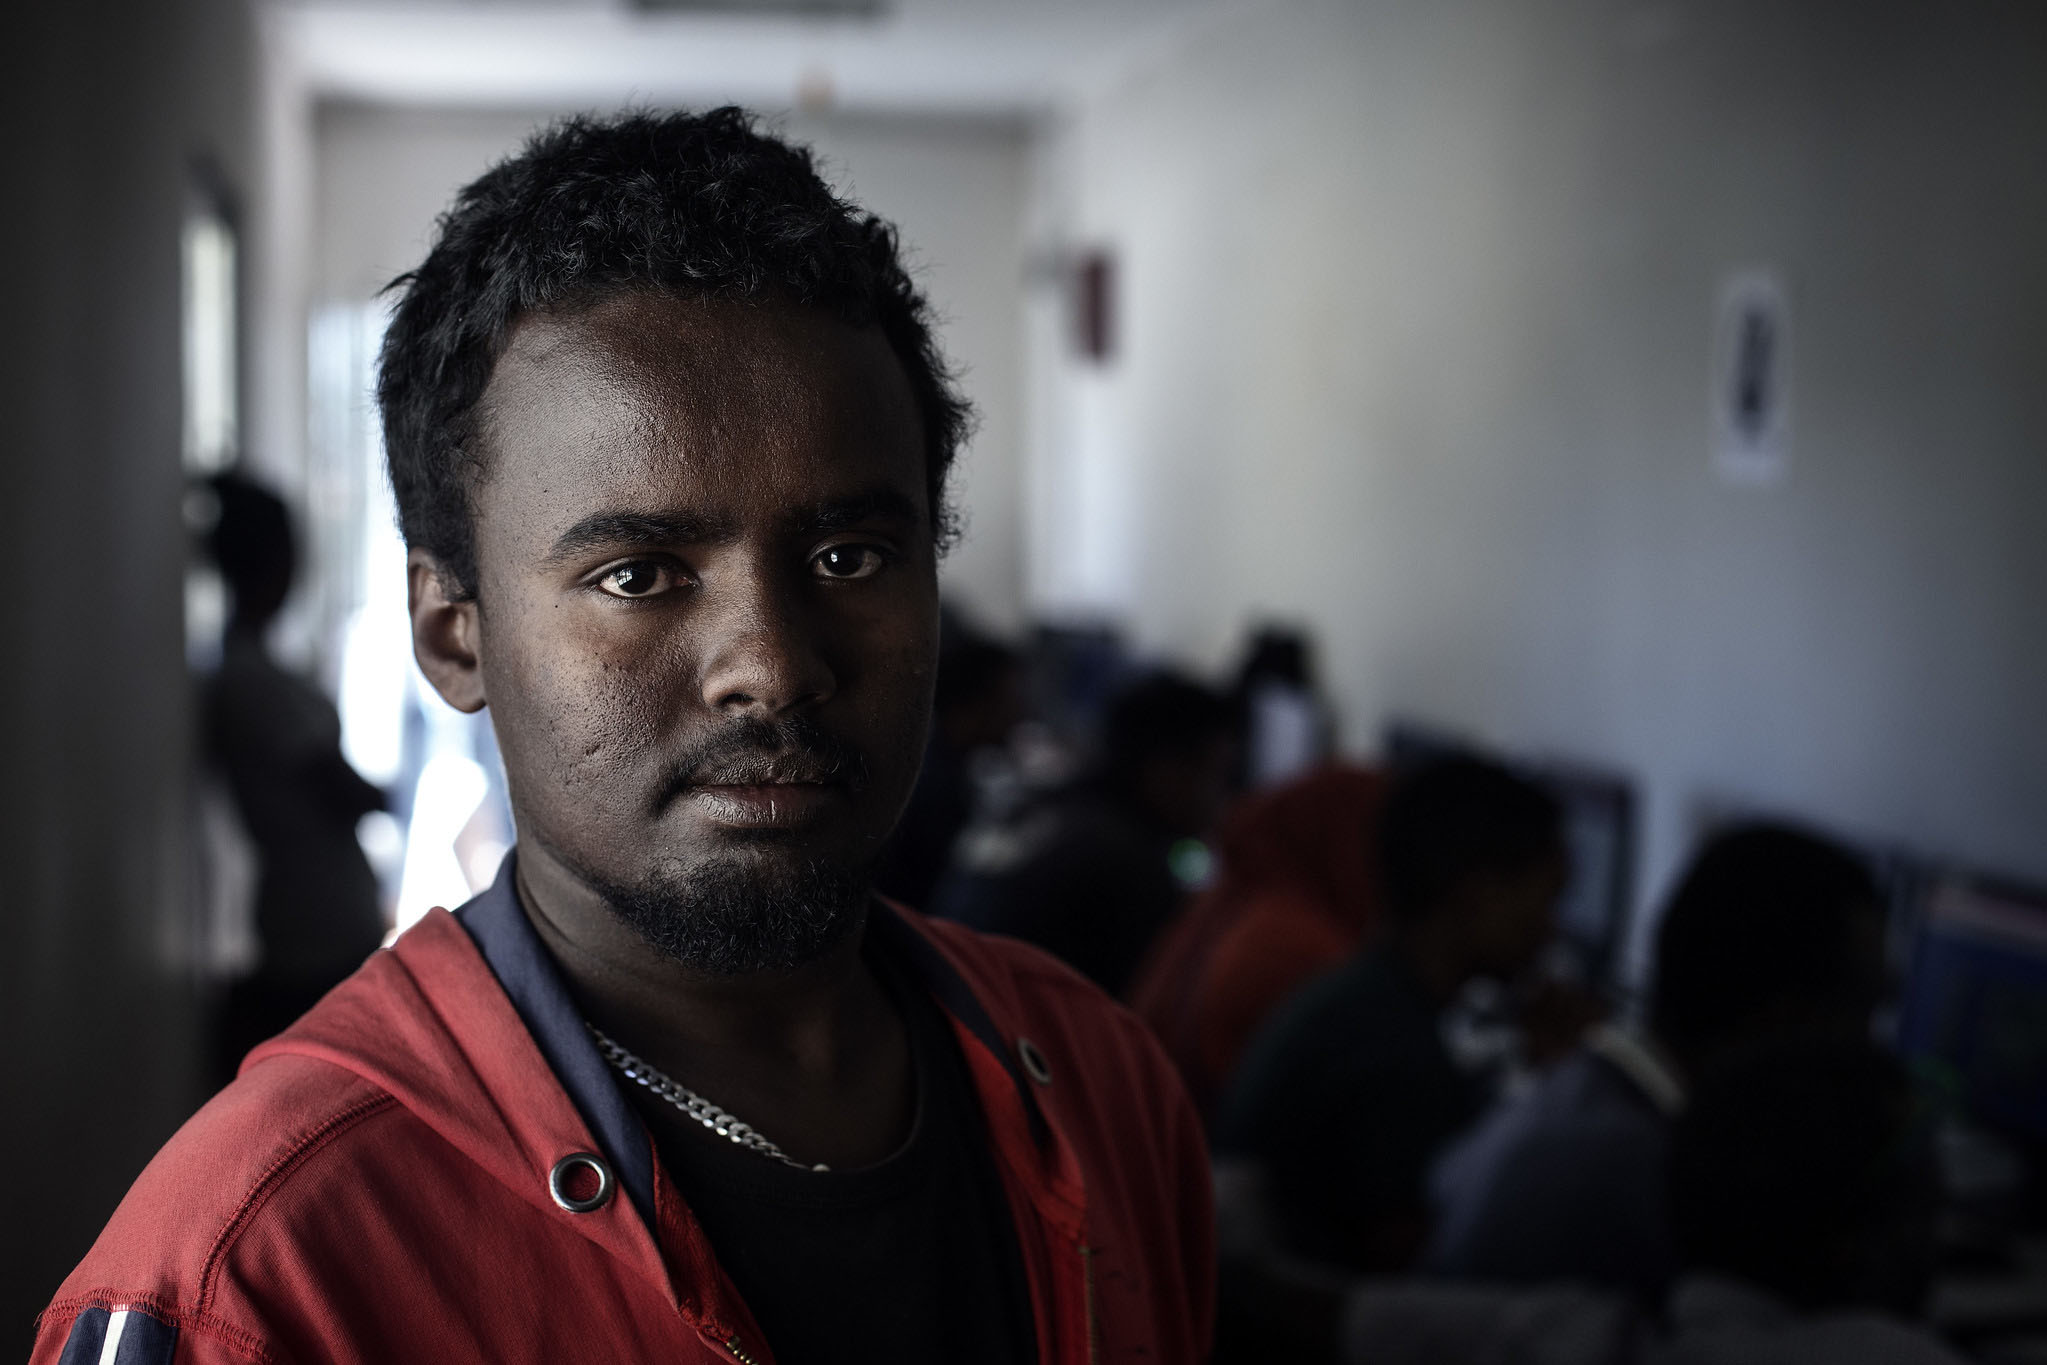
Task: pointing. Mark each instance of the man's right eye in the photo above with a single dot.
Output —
(641, 578)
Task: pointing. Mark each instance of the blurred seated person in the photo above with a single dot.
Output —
(1348, 1093)
(1771, 933)
(277, 741)
(1086, 872)
(1273, 1306)
(1296, 892)
(977, 702)
(1802, 1202)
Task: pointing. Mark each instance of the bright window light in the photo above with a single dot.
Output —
(450, 789)
(209, 343)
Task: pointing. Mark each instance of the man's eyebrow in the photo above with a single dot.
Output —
(880, 504)
(626, 530)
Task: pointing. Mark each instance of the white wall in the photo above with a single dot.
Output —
(955, 189)
(1416, 328)
(280, 228)
(957, 193)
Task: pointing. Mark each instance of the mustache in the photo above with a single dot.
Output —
(755, 752)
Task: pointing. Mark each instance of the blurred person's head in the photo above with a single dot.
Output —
(1804, 1167)
(1276, 654)
(1473, 860)
(1168, 744)
(1771, 932)
(668, 432)
(979, 698)
(252, 543)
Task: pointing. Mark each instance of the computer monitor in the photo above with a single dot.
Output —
(1600, 830)
(1975, 1000)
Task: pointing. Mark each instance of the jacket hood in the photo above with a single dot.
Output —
(1313, 837)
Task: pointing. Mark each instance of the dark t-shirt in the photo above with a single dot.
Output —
(913, 1260)
(1344, 1098)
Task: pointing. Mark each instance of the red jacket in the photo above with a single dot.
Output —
(375, 1187)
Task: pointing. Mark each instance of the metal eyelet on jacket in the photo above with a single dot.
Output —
(566, 1168)
(1034, 1062)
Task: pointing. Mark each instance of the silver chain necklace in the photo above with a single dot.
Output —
(691, 1103)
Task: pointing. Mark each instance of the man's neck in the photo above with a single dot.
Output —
(815, 1057)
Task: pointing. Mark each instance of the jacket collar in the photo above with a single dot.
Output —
(892, 932)
(527, 972)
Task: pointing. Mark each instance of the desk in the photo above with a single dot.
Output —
(1999, 1316)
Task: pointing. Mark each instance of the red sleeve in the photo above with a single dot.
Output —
(139, 1332)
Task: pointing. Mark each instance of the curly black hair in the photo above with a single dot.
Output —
(699, 204)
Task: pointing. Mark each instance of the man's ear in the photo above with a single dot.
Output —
(446, 638)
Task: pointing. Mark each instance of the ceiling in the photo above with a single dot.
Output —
(999, 58)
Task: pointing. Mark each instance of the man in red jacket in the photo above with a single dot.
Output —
(669, 435)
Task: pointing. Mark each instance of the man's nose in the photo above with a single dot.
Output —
(762, 655)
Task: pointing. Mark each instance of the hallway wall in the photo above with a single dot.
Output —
(1416, 304)
(109, 101)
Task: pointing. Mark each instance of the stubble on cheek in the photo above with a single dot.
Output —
(586, 727)
(589, 724)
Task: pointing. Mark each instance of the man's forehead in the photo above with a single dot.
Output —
(654, 397)
(658, 350)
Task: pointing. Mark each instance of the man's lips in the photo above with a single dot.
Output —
(764, 776)
(762, 805)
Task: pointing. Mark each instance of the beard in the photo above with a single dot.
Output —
(758, 904)
(731, 916)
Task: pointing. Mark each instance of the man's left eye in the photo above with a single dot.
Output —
(848, 561)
